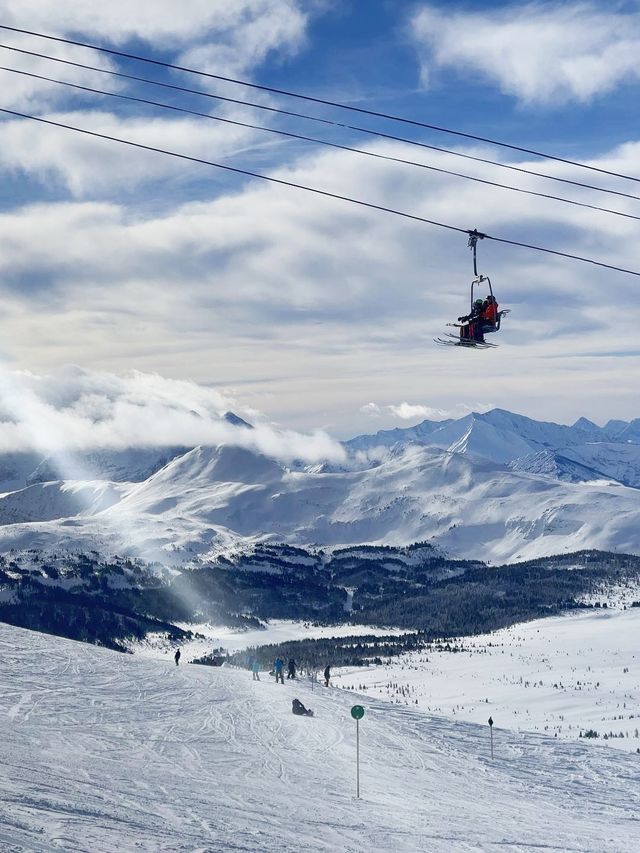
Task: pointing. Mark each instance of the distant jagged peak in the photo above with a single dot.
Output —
(497, 434)
(614, 427)
(586, 425)
(236, 420)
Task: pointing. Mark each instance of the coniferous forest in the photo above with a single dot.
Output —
(101, 601)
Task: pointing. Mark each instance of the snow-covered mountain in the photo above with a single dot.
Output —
(577, 453)
(494, 486)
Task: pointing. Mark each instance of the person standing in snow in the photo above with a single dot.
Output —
(176, 657)
(278, 668)
(327, 675)
(255, 669)
(292, 669)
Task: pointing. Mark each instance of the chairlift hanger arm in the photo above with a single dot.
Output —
(474, 236)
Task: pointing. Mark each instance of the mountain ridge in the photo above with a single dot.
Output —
(503, 488)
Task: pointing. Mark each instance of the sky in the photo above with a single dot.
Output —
(128, 268)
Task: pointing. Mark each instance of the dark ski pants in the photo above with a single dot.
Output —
(280, 675)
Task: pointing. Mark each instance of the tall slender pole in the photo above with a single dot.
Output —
(358, 759)
(491, 730)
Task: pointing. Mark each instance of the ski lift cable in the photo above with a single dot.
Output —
(316, 100)
(315, 140)
(315, 190)
(365, 130)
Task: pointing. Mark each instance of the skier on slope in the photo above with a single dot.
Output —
(176, 657)
(278, 668)
(292, 668)
(255, 669)
(327, 675)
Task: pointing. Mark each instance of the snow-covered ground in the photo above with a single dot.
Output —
(561, 676)
(234, 639)
(101, 751)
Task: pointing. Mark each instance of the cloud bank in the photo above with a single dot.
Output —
(541, 53)
(78, 410)
(245, 30)
(412, 411)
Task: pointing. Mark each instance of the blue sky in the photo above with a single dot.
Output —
(305, 311)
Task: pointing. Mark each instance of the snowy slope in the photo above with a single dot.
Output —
(497, 435)
(101, 751)
(16, 469)
(47, 501)
(131, 465)
(619, 462)
(612, 451)
(601, 460)
(562, 676)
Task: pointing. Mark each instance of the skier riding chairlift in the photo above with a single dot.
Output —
(484, 317)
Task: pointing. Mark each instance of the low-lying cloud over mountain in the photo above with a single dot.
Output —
(78, 411)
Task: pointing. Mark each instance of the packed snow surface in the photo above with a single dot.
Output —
(101, 751)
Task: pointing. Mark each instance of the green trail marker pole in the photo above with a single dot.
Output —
(491, 730)
(357, 712)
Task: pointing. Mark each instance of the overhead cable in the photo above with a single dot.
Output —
(316, 100)
(318, 119)
(282, 182)
(312, 139)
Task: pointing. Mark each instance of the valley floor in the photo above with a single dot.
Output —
(101, 751)
(561, 676)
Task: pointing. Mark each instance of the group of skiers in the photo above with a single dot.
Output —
(278, 670)
(482, 318)
(297, 707)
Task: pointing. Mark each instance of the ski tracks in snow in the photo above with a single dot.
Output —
(101, 751)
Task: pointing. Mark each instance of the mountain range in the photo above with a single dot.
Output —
(495, 486)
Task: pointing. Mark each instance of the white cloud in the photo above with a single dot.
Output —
(216, 36)
(76, 410)
(414, 411)
(372, 409)
(548, 53)
(89, 166)
(28, 94)
(210, 35)
(162, 22)
(278, 26)
(408, 411)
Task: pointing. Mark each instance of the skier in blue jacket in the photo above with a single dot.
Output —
(278, 668)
